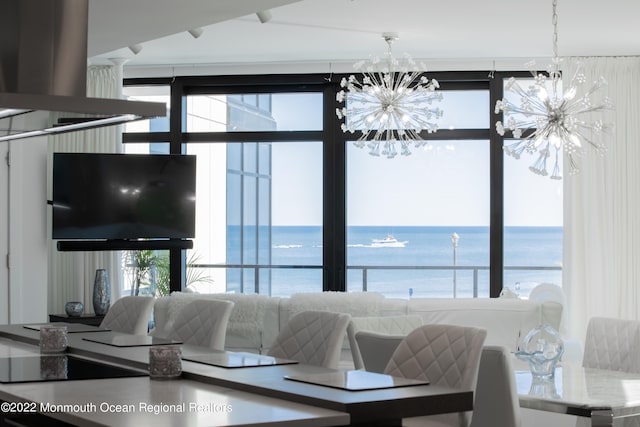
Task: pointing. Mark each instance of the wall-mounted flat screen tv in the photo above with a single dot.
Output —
(123, 196)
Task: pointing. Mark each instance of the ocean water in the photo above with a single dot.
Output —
(422, 267)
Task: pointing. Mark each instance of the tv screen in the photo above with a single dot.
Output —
(123, 196)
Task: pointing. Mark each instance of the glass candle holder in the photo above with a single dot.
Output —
(53, 339)
(165, 361)
(54, 367)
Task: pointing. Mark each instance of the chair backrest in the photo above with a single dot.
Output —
(446, 355)
(612, 344)
(312, 337)
(496, 400)
(376, 349)
(388, 325)
(203, 322)
(130, 314)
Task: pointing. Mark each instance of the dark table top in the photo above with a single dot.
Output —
(385, 406)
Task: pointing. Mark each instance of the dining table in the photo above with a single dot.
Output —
(599, 397)
(326, 396)
(68, 389)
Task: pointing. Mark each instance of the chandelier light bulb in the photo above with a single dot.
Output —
(555, 140)
(575, 141)
(570, 94)
(388, 106)
(550, 118)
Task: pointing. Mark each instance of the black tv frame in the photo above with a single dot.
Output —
(122, 245)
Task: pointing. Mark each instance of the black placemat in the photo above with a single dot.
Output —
(230, 359)
(355, 380)
(71, 327)
(131, 340)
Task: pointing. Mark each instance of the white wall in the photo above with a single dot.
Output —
(4, 233)
(27, 242)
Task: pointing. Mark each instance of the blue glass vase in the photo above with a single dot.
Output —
(101, 293)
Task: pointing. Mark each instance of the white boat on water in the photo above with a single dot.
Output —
(388, 242)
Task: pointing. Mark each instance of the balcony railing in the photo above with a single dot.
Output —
(474, 269)
(254, 282)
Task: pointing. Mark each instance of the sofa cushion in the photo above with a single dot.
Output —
(257, 319)
(244, 330)
(506, 320)
(357, 304)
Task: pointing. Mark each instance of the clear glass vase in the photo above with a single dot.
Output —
(542, 347)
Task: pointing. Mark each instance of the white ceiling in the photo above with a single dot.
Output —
(343, 31)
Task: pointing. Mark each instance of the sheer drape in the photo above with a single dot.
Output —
(71, 274)
(602, 207)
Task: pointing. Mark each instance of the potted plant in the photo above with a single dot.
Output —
(149, 269)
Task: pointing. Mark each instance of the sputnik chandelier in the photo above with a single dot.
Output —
(550, 118)
(391, 105)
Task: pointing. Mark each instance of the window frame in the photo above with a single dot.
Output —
(334, 151)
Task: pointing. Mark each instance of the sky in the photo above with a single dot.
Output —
(445, 183)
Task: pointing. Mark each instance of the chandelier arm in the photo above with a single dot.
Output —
(377, 79)
(556, 167)
(594, 88)
(595, 128)
(526, 95)
(540, 165)
(583, 137)
(412, 78)
(585, 105)
(595, 108)
(527, 111)
(573, 166)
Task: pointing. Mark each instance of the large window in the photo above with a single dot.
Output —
(286, 203)
(402, 214)
(259, 220)
(533, 219)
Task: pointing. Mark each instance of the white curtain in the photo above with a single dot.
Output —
(71, 274)
(601, 263)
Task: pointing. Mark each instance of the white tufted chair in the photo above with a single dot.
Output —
(496, 401)
(312, 337)
(381, 327)
(612, 344)
(446, 355)
(130, 314)
(203, 323)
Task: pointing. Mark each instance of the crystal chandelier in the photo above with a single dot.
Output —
(392, 104)
(550, 119)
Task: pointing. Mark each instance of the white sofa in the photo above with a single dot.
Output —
(256, 319)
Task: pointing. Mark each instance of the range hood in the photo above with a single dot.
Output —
(43, 70)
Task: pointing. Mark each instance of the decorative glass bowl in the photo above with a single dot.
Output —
(542, 347)
(74, 308)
